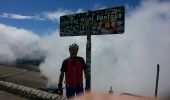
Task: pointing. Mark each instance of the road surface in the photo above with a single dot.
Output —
(8, 96)
(20, 76)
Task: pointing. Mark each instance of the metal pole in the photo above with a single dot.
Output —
(88, 55)
(157, 79)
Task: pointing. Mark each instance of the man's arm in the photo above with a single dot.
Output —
(63, 69)
(61, 77)
(87, 74)
(60, 85)
(87, 77)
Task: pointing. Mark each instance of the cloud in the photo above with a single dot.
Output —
(55, 16)
(57, 50)
(98, 6)
(128, 61)
(18, 44)
(20, 17)
(52, 16)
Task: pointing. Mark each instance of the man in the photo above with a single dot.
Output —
(73, 68)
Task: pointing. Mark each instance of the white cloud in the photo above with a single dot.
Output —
(20, 17)
(55, 16)
(57, 50)
(80, 10)
(98, 6)
(52, 16)
(128, 61)
(17, 43)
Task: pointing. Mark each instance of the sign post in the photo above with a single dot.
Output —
(99, 22)
(88, 55)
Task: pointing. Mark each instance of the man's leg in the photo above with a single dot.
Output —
(70, 92)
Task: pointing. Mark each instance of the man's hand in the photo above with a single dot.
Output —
(87, 76)
(87, 87)
(60, 89)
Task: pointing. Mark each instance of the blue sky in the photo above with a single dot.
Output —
(41, 16)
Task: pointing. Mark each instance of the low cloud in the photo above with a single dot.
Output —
(128, 61)
(18, 44)
(57, 48)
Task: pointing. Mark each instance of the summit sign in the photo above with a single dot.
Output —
(99, 22)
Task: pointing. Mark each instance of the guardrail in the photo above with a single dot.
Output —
(27, 92)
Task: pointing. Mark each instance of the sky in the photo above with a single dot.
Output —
(42, 17)
(127, 61)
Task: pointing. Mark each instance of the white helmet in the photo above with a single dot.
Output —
(74, 45)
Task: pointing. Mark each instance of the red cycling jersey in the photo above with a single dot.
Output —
(73, 68)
